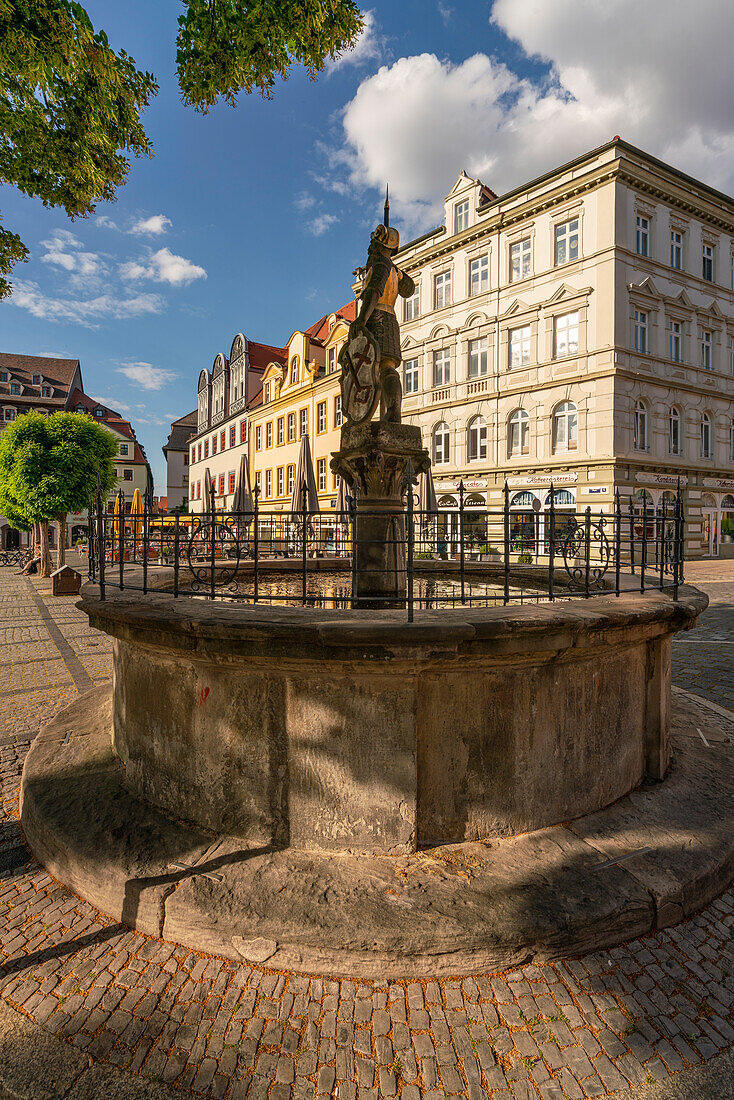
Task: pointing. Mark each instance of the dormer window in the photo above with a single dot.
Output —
(266, 393)
(99, 411)
(3, 376)
(123, 448)
(46, 391)
(294, 369)
(36, 380)
(15, 389)
(461, 216)
(79, 408)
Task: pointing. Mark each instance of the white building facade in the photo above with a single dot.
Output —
(579, 331)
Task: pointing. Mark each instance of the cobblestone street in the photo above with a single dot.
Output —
(181, 1023)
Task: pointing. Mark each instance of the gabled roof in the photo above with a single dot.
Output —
(319, 331)
(56, 371)
(260, 355)
(181, 431)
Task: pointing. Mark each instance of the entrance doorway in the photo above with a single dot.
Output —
(710, 527)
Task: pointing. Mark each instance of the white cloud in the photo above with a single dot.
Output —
(445, 12)
(304, 201)
(88, 312)
(106, 223)
(164, 267)
(63, 250)
(617, 67)
(147, 376)
(321, 223)
(369, 46)
(152, 226)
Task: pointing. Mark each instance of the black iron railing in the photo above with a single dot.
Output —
(464, 556)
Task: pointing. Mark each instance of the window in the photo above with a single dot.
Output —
(243, 431)
(304, 423)
(268, 483)
(222, 440)
(123, 448)
(258, 483)
(441, 367)
(520, 346)
(9, 414)
(221, 485)
(206, 448)
(640, 427)
(707, 263)
(232, 434)
(198, 490)
(231, 481)
(280, 481)
(676, 249)
(258, 437)
(441, 443)
(478, 357)
(46, 391)
(410, 376)
(15, 390)
(281, 431)
(338, 411)
(411, 306)
(520, 259)
(442, 290)
(36, 379)
(566, 335)
(674, 433)
(198, 453)
(461, 216)
(706, 449)
(707, 349)
(675, 330)
(565, 427)
(476, 443)
(321, 416)
(642, 236)
(214, 444)
(79, 408)
(518, 434)
(127, 475)
(291, 479)
(266, 393)
(294, 369)
(479, 275)
(291, 427)
(99, 411)
(641, 344)
(331, 356)
(321, 474)
(3, 376)
(269, 434)
(566, 242)
(193, 453)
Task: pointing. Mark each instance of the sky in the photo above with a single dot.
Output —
(252, 219)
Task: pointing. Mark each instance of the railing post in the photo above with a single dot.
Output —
(661, 541)
(587, 548)
(91, 520)
(643, 556)
(256, 544)
(121, 534)
(617, 539)
(352, 511)
(304, 519)
(551, 542)
(462, 551)
(411, 539)
(175, 555)
(212, 523)
(632, 536)
(507, 541)
(146, 520)
(678, 543)
(100, 542)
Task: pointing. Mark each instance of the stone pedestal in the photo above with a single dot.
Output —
(373, 460)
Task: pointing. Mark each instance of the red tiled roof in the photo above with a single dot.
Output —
(58, 373)
(320, 330)
(261, 354)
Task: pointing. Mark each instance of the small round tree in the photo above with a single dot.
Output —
(50, 466)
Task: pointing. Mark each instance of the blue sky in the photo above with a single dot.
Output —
(252, 219)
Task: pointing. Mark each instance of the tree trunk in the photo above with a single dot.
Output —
(45, 568)
(61, 552)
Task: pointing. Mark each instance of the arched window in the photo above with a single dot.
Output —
(640, 428)
(441, 443)
(294, 369)
(706, 440)
(565, 427)
(731, 441)
(518, 434)
(476, 439)
(675, 439)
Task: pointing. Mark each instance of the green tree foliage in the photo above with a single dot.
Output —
(228, 46)
(49, 466)
(70, 105)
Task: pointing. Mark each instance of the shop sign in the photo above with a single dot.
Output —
(543, 479)
(470, 484)
(662, 479)
(718, 482)
(598, 489)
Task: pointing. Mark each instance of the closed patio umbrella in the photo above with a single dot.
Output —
(427, 503)
(208, 492)
(305, 477)
(242, 500)
(136, 513)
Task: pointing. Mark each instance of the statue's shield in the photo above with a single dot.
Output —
(360, 363)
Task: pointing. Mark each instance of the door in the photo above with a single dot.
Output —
(710, 538)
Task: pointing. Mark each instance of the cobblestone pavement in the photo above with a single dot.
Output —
(703, 659)
(208, 1027)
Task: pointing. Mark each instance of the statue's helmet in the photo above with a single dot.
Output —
(387, 236)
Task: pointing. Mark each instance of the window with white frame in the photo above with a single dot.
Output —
(476, 443)
(441, 367)
(566, 242)
(8, 413)
(266, 393)
(642, 236)
(520, 254)
(641, 334)
(294, 369)
(291, 427)
(640, 427)
(676, 249)
(280, 481)
(291, 479)
(281, 431)
(338, 411)
(566, 335)
(478, 357)
(258, 439)
(461, 216)
(410, 376)
(411, 306)
(268, 434)
(258, 482)
(518, 434)
(124, 449)
(565, 427)
(479, 275)
(46, 391)
(707, 262)
(707, 349)
(706, 438)
(321, 474)
(304, 423)
(520, 346)
(268, 483)
(331, 357)
(321, 416)
(675, 331)
(675, 439)
(441, 443)
(442, 290)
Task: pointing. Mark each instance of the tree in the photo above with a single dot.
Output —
(70, 105)
(49, 466)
